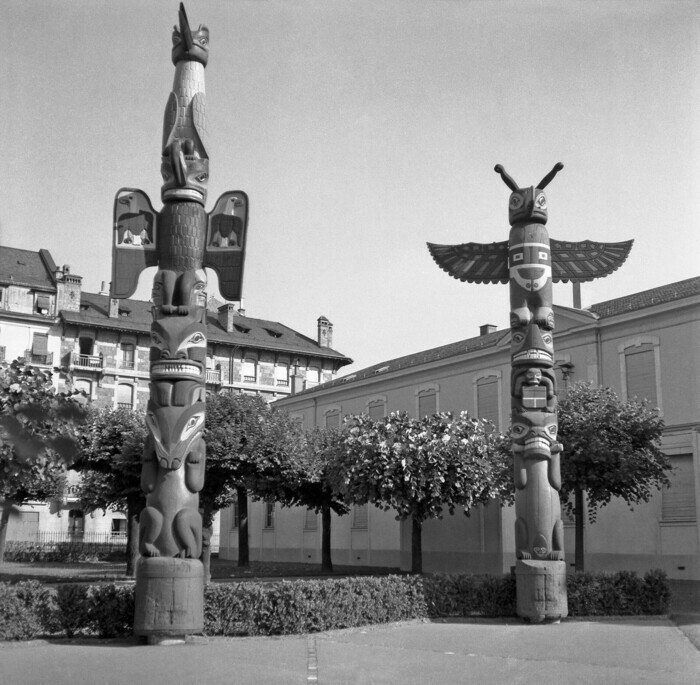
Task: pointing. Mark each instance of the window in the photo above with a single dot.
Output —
(235, 515)
(360, 516)
(487, 399)
(282, 375)
(83, 385)
(250, 370)
(332, 418)
(269, 515)
(311, 520)
(127, 355)
(376, 409)
(43, 304)
(125, 396)
(40, 349)
(678, 501)
(427, 401)
(313, 376)
(76, 523)
(639, 368)
(118, 528)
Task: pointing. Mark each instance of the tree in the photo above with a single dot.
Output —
(315, 488)
(611, 449)
(37, 437)
(419, 467)
(249, 448)
(111, 445)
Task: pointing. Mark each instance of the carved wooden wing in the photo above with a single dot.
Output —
(134, 245)
(586, 260)
(473, 262)
(226, 236)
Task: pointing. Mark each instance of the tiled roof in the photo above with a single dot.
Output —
(647, 298)
(251, 333)
(660, 295)
(27, 268)
(480, 342)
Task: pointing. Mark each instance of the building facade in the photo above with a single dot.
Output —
(645, 345)
(102, 346)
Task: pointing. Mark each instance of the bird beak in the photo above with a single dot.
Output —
(185, 28)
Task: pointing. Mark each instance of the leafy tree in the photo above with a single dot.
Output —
(419, 467)
(314, 488)
(111, 445)
(37, 437)
(611, 449)
(248, 450)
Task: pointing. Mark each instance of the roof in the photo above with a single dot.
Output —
(647, 298)
(27, 268)
(248, 332)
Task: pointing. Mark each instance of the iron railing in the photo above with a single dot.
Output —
(41, 359)
(87, 361)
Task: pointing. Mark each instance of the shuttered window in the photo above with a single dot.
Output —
(311, 520)
(678, 501)
(640, 369)
(427, 403)
(376, 410)
(360, 516)
(487, 399)
(269, 514)
(40, 344)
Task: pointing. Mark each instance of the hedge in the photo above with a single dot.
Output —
(29, 609)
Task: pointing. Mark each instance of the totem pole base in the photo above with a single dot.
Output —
(169, 599)
(541, 590)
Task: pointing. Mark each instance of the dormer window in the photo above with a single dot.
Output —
(273, 333)
(241, 329)
(43, 304)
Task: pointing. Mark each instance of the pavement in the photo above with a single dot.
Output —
(660, 650)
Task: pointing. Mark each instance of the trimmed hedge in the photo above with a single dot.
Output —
(28, 609)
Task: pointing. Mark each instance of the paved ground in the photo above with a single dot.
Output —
(619, 651)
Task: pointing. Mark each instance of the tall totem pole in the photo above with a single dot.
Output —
(530, 262)
(181, 240)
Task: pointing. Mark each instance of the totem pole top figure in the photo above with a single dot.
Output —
(491, 263)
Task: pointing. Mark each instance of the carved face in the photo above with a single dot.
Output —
(174, 430)
(188, 44)
(534, 433)
(185, 172)
(530, 345)
(529, 257)
(527, 205)
(178, 348)
(191, 291)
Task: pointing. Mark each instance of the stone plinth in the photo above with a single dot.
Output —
(541, 590)
(169, 598)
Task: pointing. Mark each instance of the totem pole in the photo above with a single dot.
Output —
(530, 262)
(181, 240)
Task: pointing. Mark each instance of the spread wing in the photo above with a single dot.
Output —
(473, 262)
(586, 260)
(226, 235)
(134, 243)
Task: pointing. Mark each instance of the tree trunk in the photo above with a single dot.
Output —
(580, 514)
(243, 552)
(132, 538)
(326, 562)
(4, 519)
(207, 523)
(416, 546)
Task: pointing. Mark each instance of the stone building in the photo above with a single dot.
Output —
(102, 344)
(645, 345)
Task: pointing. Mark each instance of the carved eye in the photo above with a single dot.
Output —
(543, 256)
(518, 257)
(203, 41)
(157, 339)
(202, 178)
(516, 201)
(518, 338)
(153, 425)
(197, 338)
(552, 430)
(547, 339)
(541, 201)
(192, 424)
(517, 430)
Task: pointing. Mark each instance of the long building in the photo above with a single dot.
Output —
(645, 345)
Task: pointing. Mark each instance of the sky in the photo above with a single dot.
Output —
(360, 130)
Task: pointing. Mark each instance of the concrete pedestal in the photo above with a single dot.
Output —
(541, 590)
(169, 598)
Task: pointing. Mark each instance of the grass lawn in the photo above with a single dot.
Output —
(221, 570)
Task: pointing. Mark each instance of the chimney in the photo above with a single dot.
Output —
(486, 329)
(113, 308)
(104, 288)
(68, 287)
(325, 332)
(227, 313)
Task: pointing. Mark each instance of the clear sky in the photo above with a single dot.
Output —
(360, 130)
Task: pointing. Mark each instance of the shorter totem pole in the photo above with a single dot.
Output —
(529, 261)
(181, 240)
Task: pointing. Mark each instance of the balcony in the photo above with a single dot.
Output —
(39, 359)
(87, 361)
(214, 376)
(249, 379)
(282, 383)
(129, 364)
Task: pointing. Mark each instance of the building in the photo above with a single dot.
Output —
(645, 345)
(103, 346)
